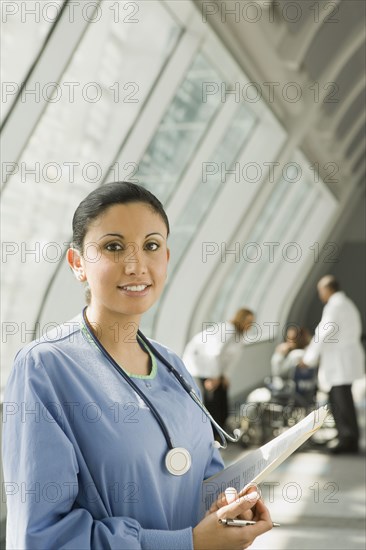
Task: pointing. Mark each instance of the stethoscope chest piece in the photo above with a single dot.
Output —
(178, 461)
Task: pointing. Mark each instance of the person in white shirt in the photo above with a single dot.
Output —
(210, 353)
(337, 346)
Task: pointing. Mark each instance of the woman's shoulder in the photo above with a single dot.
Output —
(56, 338)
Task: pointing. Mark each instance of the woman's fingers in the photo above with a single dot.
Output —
(238, 506)
(261, 513)
(209, 534)
(223, 499)
(231, 494)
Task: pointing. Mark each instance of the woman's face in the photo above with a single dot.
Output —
(125, 259)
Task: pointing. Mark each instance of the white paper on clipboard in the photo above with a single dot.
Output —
(257, 465)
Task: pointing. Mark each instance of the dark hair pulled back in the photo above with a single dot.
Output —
(109, 194)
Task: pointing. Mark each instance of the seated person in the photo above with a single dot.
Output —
(289, 353)
(285, 364)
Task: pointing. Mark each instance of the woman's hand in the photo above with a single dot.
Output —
(209, 534)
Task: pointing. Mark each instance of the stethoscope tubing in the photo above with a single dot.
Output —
(188, 389)
(130, 382)
(180, 378)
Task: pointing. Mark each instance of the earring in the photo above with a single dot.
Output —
(80, 276)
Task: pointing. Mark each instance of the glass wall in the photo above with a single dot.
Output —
(179, 133)
(277, 241)
(24, 27)
(73, 147)
(205, 193)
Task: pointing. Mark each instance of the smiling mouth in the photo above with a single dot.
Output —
(134, 288)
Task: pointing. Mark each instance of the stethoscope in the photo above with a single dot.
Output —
(178, 460)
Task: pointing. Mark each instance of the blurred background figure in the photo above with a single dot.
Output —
(289, 353)
(337, 347)
(285, 397)
(209, 355)
(285, 366)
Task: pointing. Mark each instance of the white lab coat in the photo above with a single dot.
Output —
(336, 344)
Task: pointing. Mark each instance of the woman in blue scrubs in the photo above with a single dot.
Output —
(85, 456)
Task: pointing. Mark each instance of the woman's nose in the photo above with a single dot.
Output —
(134, 260)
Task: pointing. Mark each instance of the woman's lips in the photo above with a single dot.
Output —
(134, 290)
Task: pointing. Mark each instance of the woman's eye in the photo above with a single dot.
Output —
(114, 247)
(152, 246)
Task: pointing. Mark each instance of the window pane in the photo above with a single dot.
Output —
(205, 193)
(180, 131)
(281, 221)
(234, 275)
(296, 233)
(25, 25)
(287, 219)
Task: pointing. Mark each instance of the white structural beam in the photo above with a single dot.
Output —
(352, 133)
(360, 170)
(328, 124)
(294, 47)
(348, 166)
(357, 153)
(308, 120)
(339, 61)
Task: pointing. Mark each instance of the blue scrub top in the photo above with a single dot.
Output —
(84, 458)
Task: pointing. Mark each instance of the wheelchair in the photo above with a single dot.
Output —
(276, 406)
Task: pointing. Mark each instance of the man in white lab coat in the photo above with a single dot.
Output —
(337, 347)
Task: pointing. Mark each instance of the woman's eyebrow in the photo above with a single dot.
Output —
(154, 233)
(111, 235)
(122, 237)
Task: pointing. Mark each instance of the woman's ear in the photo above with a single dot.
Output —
(75, 262)
(167, 259)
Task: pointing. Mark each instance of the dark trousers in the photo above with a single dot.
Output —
(344, 412)
(216, 402)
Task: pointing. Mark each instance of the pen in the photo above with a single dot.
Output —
(241, 522)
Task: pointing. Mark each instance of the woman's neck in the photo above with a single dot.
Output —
(114, 331)
(118, 335)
